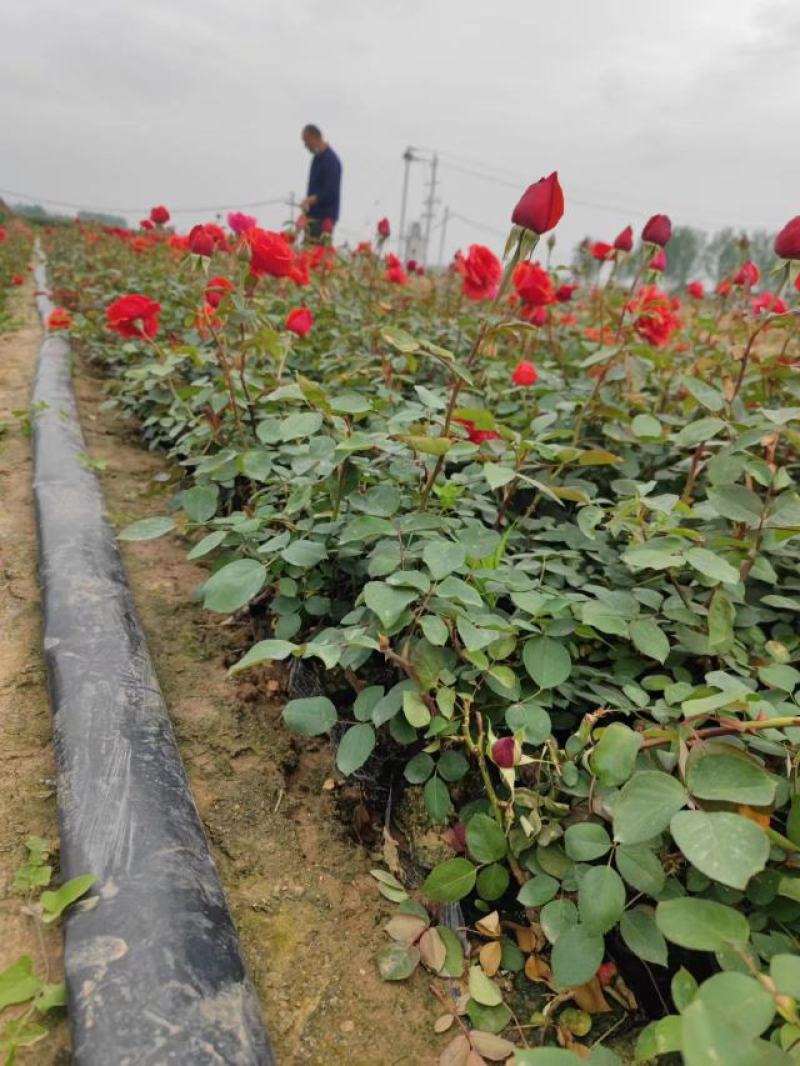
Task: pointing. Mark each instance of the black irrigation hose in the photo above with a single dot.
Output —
(154, 972)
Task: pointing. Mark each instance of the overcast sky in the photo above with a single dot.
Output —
(685, 106)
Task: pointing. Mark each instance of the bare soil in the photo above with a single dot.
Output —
(308, 913)
(27, 770)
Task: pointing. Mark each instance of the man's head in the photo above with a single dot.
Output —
(312, 138)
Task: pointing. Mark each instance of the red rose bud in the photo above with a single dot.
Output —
(696, 290)
(17, 279)
(146, 224)
(787, 243)
(768, 301)
(537, 316)
(541, 205)
(657, 230)
(564, 293)
(504, 752)
(383, 228)
(524, 374)
(606, 973)
(411, 266)
(159, 215)
(327, 226)
(299, 321)
(659, 261)
(600, 250)
(216, 289)
(624, 240)
(747, 274)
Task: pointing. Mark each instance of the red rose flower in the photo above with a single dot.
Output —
(723, 287)
(327, 225)
(477, 436)
(657, 230)
(299, 321)
(541, 205)
(656, 319)
(600, 250)
(59, 318)
(564, 293)
(17, 279)
(768, 301)
(394, 270)
(146, 224)
(240, 223)
(747, 275)
(659, 261)
(696, 290)
(3, 234)
(133, 316)
(205, 240)
(787, 243)
(533, 284)
(270, 254)
(624, 240)
(482, 272)
(537, 316)
(364, 248)
(524, 374)
(301, 269)
(216, 289)
(383, 228)
(159, 215)
(411, 266)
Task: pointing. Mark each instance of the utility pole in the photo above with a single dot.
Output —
(408, 158)
(430, 204)
(445, 220)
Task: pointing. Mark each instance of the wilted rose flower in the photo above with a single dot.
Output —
(696, 290)
(134, 315)
(477, 436)
(59, 318)
(787, 243)
(748, 274)
(299, 321)
(533, 284)
(383, 228)
(541, 205)
(270, 254)
(482, 271)
(216, 289)
(624, 240)
(241, 223)
(657, 230)
(524, 373)
(159, 215)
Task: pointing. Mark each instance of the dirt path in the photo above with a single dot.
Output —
(307, 910)
(27, 771)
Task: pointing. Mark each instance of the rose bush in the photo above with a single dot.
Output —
(550, 574)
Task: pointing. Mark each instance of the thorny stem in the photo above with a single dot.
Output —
(731, 729)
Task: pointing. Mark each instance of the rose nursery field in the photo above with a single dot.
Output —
(512, 548)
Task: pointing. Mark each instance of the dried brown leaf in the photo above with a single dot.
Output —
(490, 925)
(456, 1053)
(443, 1023)
(391, 853)
(589, 997)
(494, 1048)
(537, 969)
(432, 950)
(490, 956)
(474, 1059)
(525, 937)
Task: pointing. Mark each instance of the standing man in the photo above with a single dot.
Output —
(321, 205)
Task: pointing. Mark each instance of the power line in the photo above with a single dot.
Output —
(141, 210)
